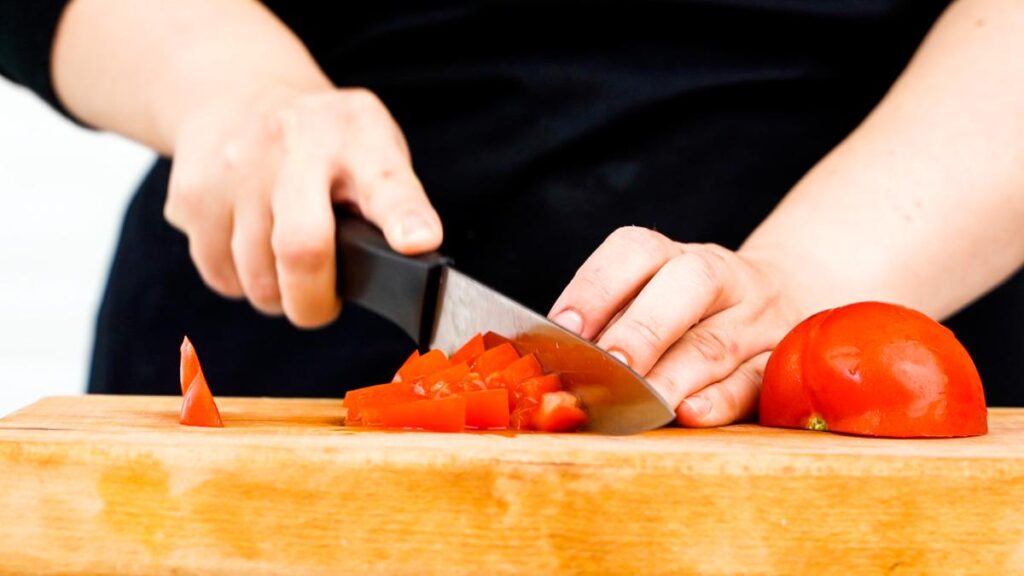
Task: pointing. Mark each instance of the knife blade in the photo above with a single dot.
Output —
(440, 307)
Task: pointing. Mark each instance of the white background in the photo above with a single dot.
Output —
(63, 191)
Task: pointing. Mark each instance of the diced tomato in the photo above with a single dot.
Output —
(356, 400)
(405, 365)
(470, 350)
(439, 415)
(559, 412)
(197, 405)
(535, 388)
(487, 408)
(445, 382)
(426, 364)
(493, 340)
(495, 360)
(516, 372)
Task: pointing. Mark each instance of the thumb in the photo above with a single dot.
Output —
(399, 206)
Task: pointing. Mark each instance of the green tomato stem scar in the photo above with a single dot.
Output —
(817, 423)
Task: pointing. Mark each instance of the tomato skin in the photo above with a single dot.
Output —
(436, 414)
(197, 405)
(486, 409)
(874, 369)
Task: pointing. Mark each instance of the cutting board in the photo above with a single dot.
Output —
(108, 485)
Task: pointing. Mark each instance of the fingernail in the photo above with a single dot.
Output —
(570, 320)
(619, 356)
(415, 230)
(699, 406)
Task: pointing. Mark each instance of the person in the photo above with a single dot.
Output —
(685, 180)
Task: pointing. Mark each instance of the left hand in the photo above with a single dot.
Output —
(697, 320)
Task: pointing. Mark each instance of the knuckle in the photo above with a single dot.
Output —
(711, 345)
(648, 332)
(705, 268)
(308, 250)
(595, 287)
(639, 239)
(670, 386)
(184, 200)
(361, 100)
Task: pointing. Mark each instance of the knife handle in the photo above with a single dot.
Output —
(402, 289)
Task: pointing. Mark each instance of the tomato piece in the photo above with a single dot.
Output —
(495, 360)
(487, 408)
(536, 387)
(559, 412)
(356, 400)
(493, 340)
(516, 372)
(197, 405)
(470, 350)
(405, 366)
(873, 369)
(437, 414)
(428, 363)
(445, 382)
(189, 365)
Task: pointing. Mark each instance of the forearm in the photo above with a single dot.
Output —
(924, 203)
(142, 68)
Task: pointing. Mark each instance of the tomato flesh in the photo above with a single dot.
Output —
(559, 412)
(486, 409)
(470, 350)
(197, 405)
(436, 414)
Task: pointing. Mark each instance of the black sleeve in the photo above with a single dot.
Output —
(27, 28)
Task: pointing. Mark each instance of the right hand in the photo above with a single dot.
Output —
(253, 185)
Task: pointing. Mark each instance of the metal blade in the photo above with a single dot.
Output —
(617, 399)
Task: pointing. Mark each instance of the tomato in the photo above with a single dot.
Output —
(873, 369)
(422, 365)
(436, 414)
(381, 393)
(559, 412)
(492, 386)
(197, 405)
(495, 360)
(470, 350)
(486, 408)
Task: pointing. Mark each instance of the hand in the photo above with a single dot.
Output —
(254, 181)
(697, 320)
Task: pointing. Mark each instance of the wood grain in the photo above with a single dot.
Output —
(107, 485)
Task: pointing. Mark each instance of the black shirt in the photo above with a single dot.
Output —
(537, 129)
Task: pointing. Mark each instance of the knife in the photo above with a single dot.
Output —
(440, 307)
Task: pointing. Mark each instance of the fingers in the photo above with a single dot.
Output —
(303, 240)
(254, 254)
(207, 220)
(611, 277)
(376, 174)
(688, 288)
(730, 400)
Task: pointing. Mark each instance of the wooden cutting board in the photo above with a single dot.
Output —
(106, 485)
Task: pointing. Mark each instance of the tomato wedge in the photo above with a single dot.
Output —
(391, 393)
(405, 366)
(197, 405)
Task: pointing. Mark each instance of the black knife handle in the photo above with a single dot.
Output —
(402, 289)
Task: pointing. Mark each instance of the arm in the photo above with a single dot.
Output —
(922, 205)
(263, 143)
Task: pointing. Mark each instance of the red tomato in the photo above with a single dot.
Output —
(486, 408)
(197, 405)
(405, 366)
(559, 412)
(873, 369)
(522, 369)
(495, 360)
(470, 350)
(391, 393)
(439, 415)
(445, 382)
(422, 365)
